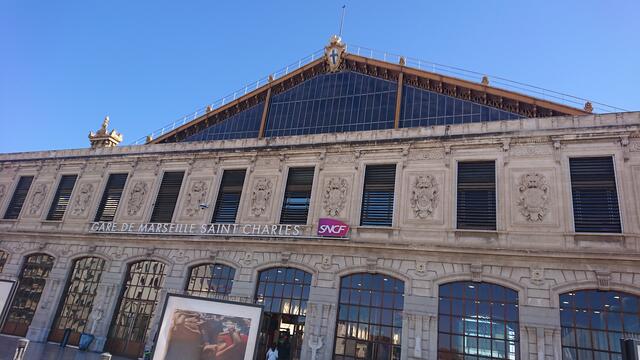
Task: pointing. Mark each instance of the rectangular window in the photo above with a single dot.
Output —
(19, 195)
(111, 197)
(377, 195)
(297, 196)
(595, 198)
(477, 195)
(62, 197)
(229, 196)
(167, 197)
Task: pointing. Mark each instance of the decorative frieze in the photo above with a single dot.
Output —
(82, 200)
(533, 197)
(261, 196)
(37, 199)
(424, 196)
(137, 196)
(335, 195)
(195, 198)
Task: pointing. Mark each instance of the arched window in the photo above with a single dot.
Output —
(3, 259)
(369, 322)
(477, 320)
(138, 302)
(77, 301)
(209, 280)
(593, 322)
(31, 283)
(283, 292)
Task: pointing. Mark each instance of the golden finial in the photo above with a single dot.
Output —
(588, 107)
(104, 138)
(485, 80)
(149, 138)
(402, 61)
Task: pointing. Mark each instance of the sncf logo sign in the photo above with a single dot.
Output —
(333, 228)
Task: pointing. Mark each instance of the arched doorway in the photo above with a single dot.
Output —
(138, 301)
(369, 322)
(32, 280)
(77, 301)
(283, 292)
(477, 320)
(593, 322)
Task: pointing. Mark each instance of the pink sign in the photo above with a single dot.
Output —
(333, 228)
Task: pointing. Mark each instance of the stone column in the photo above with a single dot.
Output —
(419, 332)
(320, 323)
(172, 285)
(103, 309)
(540, 333)
(46, 310)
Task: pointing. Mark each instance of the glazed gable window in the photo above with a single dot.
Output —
(229, 196)
(111, 197)
(297, 196)
(476, 203)
(62, 197)
(167, 197)
(377, 195)
(595, 198)
(19, 196)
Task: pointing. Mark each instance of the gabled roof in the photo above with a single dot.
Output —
(479, 93)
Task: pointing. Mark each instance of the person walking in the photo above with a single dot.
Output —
(272, 353)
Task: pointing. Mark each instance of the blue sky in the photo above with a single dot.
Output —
(64, 65)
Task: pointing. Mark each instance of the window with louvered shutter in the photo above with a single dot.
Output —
(476, 195)
(111, 197)
(297, 196)
(62, 197)
(595, 198)
(18, 198)
(167, 197)
(229, 197)
(377, 195)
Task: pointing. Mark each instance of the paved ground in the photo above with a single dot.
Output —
(43, 351)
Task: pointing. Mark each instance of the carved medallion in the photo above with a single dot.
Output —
(424, 196)
(260, 196)
(136, 198)
(37, 199)
(534, 196)
(196, 196)
(335, 195)
(82, 200)
(334, 53)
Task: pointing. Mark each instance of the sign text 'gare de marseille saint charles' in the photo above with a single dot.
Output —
(326, 228)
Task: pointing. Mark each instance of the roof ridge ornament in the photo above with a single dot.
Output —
(334, 53)
(104, 138)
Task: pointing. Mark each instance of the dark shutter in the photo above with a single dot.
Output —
(377, 196)
(595, 199)
(19, 195)
(229, 197)
(477, 195)
(297, 196)
(61, 199)
(167, 197)
(111, 197)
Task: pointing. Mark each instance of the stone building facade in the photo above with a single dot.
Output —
(534, 249)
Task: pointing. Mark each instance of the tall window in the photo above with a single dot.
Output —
(593, 322)
(369, 322)
(19, 195)
(111, 197)
(77, 302)
(3, 259)
(283, 293)
(297, 196)
(477, 319)
(62, 197)
(229, 196)
(377, 196)
(210, 280)
(476, 195)
(31, 283)
(595, 198)
(138, 302)
(167, 197)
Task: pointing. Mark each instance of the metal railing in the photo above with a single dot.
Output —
(495, 81)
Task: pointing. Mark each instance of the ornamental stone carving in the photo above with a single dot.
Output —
(424, 196)
(37, 199)
(533, 199)
(335, 195)
(3, 190)
(260, 196)
(82, 200)
(197, 195)
(136, 198)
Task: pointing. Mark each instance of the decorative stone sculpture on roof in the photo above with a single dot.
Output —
(334, 52)
(104, 138)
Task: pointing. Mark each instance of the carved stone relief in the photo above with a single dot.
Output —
(82, 200)
(3, 190)
(197, 195)
(425, 194)
(39, 194)
(533, 199)
(335, 195)
(260, 196)
(136, 198)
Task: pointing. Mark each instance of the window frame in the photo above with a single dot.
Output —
(158, 185)
(104, 188)
(283, 188)
(397, 187)
(218, 187)
(52, 195)
(8, 199)
(497, 187)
